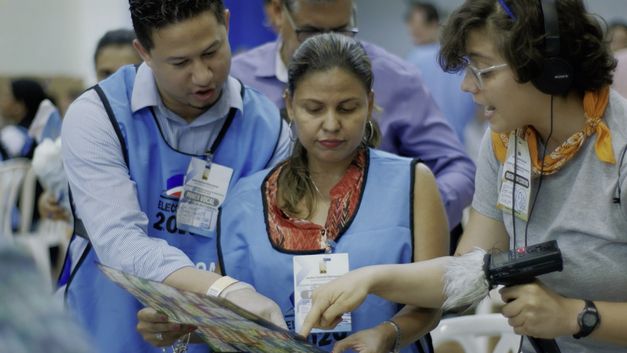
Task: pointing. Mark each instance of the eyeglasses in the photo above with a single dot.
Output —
(303, 34)
(478, 73)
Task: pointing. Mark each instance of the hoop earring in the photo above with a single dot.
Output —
(369, 132)
(292, 135)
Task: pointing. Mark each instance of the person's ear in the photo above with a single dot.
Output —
(143, 52)
(276, 9)
(227, 19)
(370, 103)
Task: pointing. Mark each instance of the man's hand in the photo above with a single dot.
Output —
(157, 330)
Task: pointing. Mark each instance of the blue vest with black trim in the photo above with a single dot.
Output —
(380, 233)
(109, 312)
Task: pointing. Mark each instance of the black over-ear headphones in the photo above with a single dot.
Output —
(556, 77)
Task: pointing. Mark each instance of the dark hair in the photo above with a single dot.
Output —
(116, 37)
(521, 40)
(430, 11)
(30, 93)
(150, 15)
(321, 53)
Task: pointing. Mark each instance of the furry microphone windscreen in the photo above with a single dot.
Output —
(465, 282)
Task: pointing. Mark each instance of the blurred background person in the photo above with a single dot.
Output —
(114, 50)
(617, 35)
(620, 75)
(423, 24)
(26, 110)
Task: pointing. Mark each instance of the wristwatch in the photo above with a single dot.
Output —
(588, 320)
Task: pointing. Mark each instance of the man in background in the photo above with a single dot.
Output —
(114, 50)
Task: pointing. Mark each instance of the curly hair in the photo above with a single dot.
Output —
(149, 15)
(520, 40)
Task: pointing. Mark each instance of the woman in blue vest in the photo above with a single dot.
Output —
(335, 195)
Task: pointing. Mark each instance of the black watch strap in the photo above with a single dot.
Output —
(588, 320)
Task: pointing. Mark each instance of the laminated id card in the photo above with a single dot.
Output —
(204, 190)
(516, 171)
(311, 271)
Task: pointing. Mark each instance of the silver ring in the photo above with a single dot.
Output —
(159, 336)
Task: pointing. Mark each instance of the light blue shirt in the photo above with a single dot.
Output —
(456, 105)
(100, 182)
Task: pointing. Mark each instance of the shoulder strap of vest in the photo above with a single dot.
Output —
(113, 120)
(227, 123)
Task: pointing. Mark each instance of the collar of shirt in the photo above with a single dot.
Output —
(280, 69)
(148, 96)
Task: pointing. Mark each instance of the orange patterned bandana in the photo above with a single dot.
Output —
(594, 104)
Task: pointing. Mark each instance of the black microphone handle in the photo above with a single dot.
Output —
(543, 345)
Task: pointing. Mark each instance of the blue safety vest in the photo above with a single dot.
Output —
(381, 232)
(246, 144)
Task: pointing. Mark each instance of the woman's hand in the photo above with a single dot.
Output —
(536, 311)
(157, 330)
(332, 300)
(379, 339)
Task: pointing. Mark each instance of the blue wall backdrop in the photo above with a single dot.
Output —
(247, 28)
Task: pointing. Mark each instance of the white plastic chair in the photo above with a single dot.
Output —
(16, 178)
(470, 332)
(12, 175)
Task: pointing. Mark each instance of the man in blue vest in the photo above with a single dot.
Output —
(410, 121)
(127, 146)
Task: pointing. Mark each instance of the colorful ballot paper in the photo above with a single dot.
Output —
(223, 325)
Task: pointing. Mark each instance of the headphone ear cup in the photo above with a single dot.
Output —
(556, 77)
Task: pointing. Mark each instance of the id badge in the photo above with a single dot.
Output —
(204, 190)
(310, 272)
(522, 193)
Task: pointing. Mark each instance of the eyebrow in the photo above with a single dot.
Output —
(317, 101)
(211, 47)
(319, 29)
(478, 56)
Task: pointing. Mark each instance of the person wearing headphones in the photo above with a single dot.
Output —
(542, 71)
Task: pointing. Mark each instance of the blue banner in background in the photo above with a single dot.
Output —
(247, 29)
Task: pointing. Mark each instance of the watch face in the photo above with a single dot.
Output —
(589, 319)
